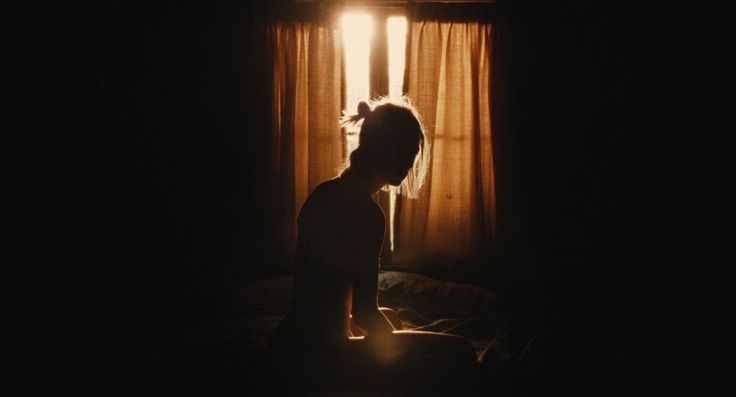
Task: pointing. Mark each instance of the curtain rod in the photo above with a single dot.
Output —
(423, 10)
(380, 3)
(390, 4)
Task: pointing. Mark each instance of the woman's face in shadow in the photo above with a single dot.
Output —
(399, 160)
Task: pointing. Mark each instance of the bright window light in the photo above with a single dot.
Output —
(396, 31)
(357, 30)
(396, 34)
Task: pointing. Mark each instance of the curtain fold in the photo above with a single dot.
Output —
(451, 226)
(307, 143)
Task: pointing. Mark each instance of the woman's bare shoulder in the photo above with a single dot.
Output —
(330, 199)
(324, 195)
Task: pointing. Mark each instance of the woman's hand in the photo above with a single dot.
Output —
(373, 323)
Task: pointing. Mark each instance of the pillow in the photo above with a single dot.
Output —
(434, 298)
(428, 296)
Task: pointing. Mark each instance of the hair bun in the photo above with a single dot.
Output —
(363, 109)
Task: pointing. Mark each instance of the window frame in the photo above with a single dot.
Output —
(378, 87)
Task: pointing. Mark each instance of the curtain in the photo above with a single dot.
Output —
(307, 142)
(451, 226)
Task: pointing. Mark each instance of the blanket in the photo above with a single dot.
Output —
(422, 303)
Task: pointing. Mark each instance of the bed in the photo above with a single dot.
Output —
(231, 357)
(422, 303)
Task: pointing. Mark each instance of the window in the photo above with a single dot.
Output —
(324, 65)
(357, 32)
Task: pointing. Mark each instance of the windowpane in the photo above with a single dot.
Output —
(396, 31)
(396, 34)
(357, 30)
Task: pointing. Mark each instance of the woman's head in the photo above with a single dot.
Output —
(392, 144)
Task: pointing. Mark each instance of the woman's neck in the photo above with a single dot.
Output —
(365, 184)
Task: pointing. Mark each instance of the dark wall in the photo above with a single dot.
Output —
(618, 118)
(142, 180)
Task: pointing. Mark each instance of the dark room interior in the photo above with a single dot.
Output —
(143, 186)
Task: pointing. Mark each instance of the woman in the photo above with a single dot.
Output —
(340, 233)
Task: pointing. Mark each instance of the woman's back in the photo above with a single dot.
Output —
(339, 232)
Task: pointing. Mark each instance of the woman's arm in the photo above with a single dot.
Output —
(365, 305)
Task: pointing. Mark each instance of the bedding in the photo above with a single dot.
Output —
(229, 356)
(422, 303)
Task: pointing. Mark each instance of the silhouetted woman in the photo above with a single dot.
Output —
(340, 234)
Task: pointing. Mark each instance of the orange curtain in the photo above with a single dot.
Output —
(307, 140)
(451, 226)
